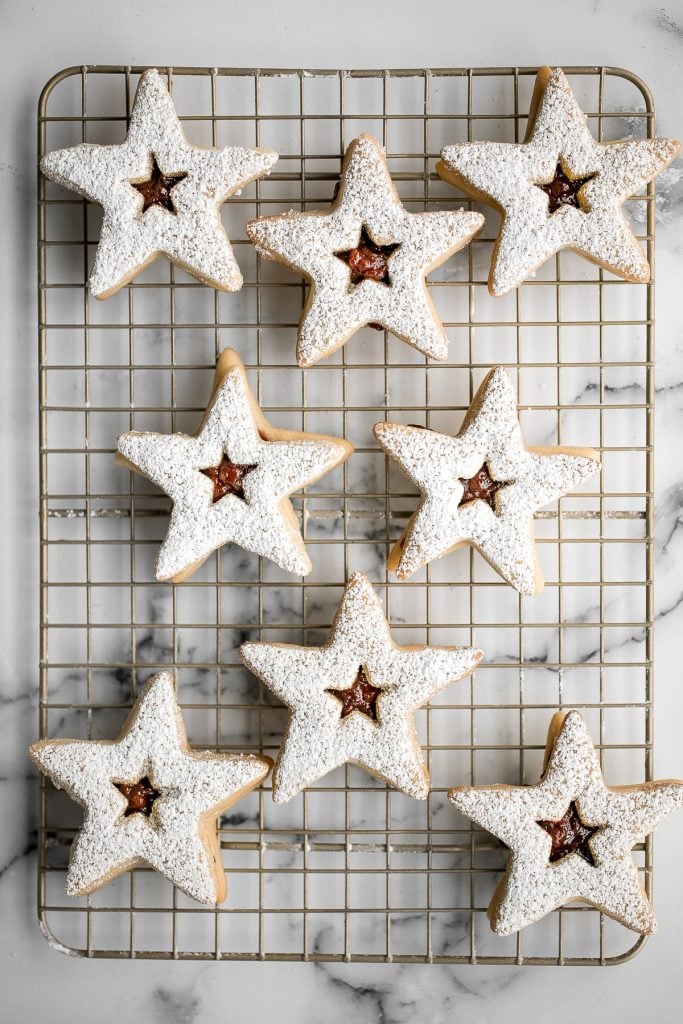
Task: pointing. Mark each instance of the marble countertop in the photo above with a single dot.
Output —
(37, 40)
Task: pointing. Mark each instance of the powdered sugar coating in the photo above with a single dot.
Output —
(193, 236)
(532, 886)
(318, 739)
(437, 463)
(264, 521)
(335, 309)
(179, 838)
(507, 174)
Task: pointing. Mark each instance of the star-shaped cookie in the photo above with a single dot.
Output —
(160, 195)
(353, 699)
(366, 258)
(149, 798)
(569, 836)
(231, 482)
(559, 188)
(481, 487)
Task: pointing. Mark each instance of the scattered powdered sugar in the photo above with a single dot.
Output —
(336, 308)
(507, 174)
(264, 521)
(179, 838)
(532, 886)
(437, 463)
(318, 739)
(193, 236)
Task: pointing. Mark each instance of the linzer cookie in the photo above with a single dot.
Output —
(231, 482)
(559, 188)
(366, 258)
(354, 698)
(149, 798)
(569, 836)
(481, 487)
(160, 195)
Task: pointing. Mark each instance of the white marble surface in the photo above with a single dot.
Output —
(37, 40)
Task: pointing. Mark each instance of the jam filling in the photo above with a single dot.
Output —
(482, 486)
(141, 796)
(368, 261)
(227, 478)
(156, 191)
(563, 190)
(569, 835)
(360, 696)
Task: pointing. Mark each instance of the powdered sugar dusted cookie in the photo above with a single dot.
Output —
(559, 188)
(353, 699)
(160, 195)
(569, 836)
(149, 798)
(366, 258)
(230, 482)
(481, 487)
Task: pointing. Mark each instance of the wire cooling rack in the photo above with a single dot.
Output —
(348, 870)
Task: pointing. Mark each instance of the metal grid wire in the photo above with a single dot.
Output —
(348, 870)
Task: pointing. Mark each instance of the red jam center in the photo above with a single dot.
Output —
(569, 835)
(482, 487)
(156, 191)
(140, 796)
(368, 261)
(227, 478)
(563, 190)
(360, 696)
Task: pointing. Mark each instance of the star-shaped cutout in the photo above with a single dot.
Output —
(321, 736)
(157, 189)
(535, 882)
(140, 796)
(508, 176)
(366, 219)
(482, 487)
(189, 788)
(361, 696)
(235, 442)
(227, 478)
(189, 182)
(368, 261)
(518, 481)
(569, 835)
(564, 190)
